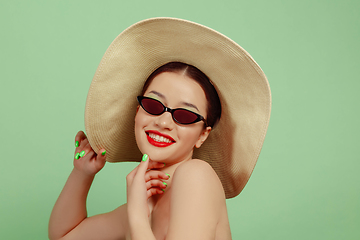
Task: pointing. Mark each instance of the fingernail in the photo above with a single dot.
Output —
(77, 155)
(163, 190)
(165, 184)
(168, 174)
(145, 157)
(103, 153)
(76, 143)
(82, 153)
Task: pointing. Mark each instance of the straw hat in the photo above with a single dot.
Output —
(233, 146)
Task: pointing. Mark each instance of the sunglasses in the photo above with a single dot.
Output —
(179, 115)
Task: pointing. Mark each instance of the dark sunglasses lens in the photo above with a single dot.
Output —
(152, 106)
(184, 116)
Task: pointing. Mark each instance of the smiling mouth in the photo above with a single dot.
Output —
(159, 140)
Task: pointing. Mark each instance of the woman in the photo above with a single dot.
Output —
(171, 194)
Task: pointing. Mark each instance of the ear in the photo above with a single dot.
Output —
(203, 136)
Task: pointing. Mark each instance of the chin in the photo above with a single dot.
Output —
(157, 156)
(168, 158)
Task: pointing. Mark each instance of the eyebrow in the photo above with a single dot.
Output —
(184, 103)
(158, 94)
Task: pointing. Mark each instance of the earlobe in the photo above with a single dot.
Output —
(203, 136)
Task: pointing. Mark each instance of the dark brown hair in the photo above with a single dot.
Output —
(213, 100)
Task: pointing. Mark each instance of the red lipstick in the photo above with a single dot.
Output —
(156, 143)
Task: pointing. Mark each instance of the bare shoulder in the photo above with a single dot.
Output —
(197, 202)
(198, 175)
(196, 168)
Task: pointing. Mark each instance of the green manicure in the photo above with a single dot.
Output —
(77, 155)
(163, 190)
(165, 184)
(82, 153)
(103, 153)
(168, 175)
(76, 143)
(145, 157)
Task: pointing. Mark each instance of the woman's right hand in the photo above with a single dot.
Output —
(85, 159)
(142, 182)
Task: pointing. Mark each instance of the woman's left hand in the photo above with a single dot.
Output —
(142, 183)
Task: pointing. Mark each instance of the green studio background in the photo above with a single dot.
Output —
(306, 182)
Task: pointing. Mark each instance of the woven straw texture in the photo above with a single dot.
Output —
(233, 146)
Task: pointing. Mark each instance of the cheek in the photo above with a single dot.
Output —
(139, 123)
(190, 135)
(142, 120)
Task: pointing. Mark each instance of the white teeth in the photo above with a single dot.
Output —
(158, 138)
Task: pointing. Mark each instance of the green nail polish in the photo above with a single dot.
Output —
(103, 153)
(76, 143)
(165, 184)
(82, 153)
(163, 190)
(145, 157)
(77, 155)
(168, 175)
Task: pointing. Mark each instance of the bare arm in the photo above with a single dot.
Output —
(68, 219)
(70, 207)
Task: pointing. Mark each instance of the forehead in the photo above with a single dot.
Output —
(178, 88)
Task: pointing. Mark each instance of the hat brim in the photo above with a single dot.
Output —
(233, 146)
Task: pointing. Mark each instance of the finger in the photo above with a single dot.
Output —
(80, 144)
(83, 142)
(80, 149)
(154, 174)
(143, 166)
(155, 165)
(84, 150)
(131, 175)
(154, 191)
(85, 154)
(156, 183)
(80, 136)
(101, 158)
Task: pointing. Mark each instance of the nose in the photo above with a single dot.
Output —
(165, 121)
